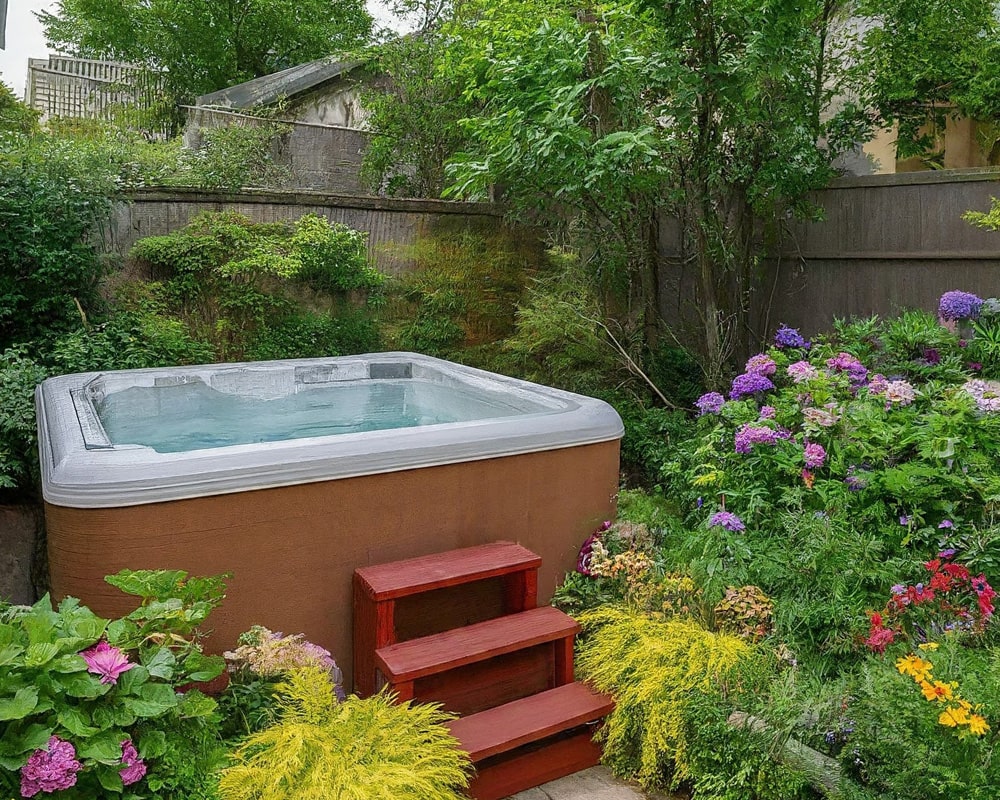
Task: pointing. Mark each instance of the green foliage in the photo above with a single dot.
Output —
(233, 157)
(48, 688)
(199, 46)
(236, 284)
(413, 117)
(15, 116)
(54, 194)
(654, 669)
(919, 62)
(19, 375)
(988, 220)
(352, 750)
(463, 291)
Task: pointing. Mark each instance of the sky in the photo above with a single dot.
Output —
(25, 39)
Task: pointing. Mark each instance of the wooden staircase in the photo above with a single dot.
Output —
(522, 717)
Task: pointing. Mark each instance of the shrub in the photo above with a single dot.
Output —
(357, 749)
(236, 284)
(235, 156)
(93, 706)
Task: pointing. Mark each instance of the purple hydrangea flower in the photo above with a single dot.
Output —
(854, 481)
(932, 356)
(904, 520)
(801, 371)
(845, 362)
(789, 337)
(946, 523)
(710, 403)
(761, 364)
(748, 435)
(814, 454)
(50, 770)
(749, 383)
(727, 520)
(768, 412)
(133, 768)
(956, 305)
(948, 552)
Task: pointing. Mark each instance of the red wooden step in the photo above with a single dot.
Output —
(531, 741)
(439, 570)
(407, 661)
(377, 589)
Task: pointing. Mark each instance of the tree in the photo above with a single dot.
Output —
(201, 46)
(921, 60)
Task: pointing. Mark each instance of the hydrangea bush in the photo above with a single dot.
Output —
(92, 707)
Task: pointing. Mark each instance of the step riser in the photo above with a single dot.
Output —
(526, 768)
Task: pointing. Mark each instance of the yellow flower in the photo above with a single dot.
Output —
(915, 667)
(928, 646)
(977, 725)
(936, 691)
(953, 716)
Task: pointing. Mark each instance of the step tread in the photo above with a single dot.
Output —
(440, 652)
(531, 719)
(439, 570)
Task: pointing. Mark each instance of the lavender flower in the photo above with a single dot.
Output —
(50, 770)
(768, 412)
(814, 454)
(877, 384)
(727, 520)
(845, 362)
(710, 403)
(789, 337)
(749, 434)
(854, 481)
(957, 305)
(801, 371)
(748, 384)
(761, 364)
(946, 523)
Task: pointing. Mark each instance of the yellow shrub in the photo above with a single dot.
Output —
(357, 750)
(652, 667)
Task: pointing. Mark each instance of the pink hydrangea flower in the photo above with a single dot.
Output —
(801, 371)
(133, 768)
(815, 455)
(761, 364)
(899, 393)
(824, 417)
(107, 661)
(50, 770)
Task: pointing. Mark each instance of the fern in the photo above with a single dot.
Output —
(357, 750)
(653, 669)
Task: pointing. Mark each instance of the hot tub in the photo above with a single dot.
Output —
(290, 474)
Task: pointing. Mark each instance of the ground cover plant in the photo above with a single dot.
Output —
(835, 511)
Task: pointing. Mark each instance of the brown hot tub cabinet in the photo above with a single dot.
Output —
(293, 518)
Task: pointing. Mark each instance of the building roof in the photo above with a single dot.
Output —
(287, 83)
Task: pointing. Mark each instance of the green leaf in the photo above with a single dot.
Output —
(152, 744)
(105, 747)
(200, 667)
(68, 663)
(16, 742)
(161, 664)
(20, 705)
(196, 704)
(76, 722)
(40, 653)
(82, 684)
(154, 699)
(9, 654)
(106, 716)
(109, 778)
(131, 681)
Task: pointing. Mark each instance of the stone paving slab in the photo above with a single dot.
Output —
(596, 783)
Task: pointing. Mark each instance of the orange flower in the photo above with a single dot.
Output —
(953, 716)
(977, 725)
(936, 691)
(915, 667)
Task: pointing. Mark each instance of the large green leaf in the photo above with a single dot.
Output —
(9, 654)
(24, 701)
(40, 653)
(160, 663)
(196, 704)
(76, 721)
(201, 667)
(81, 684)
(105, 747)
(154, 699)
